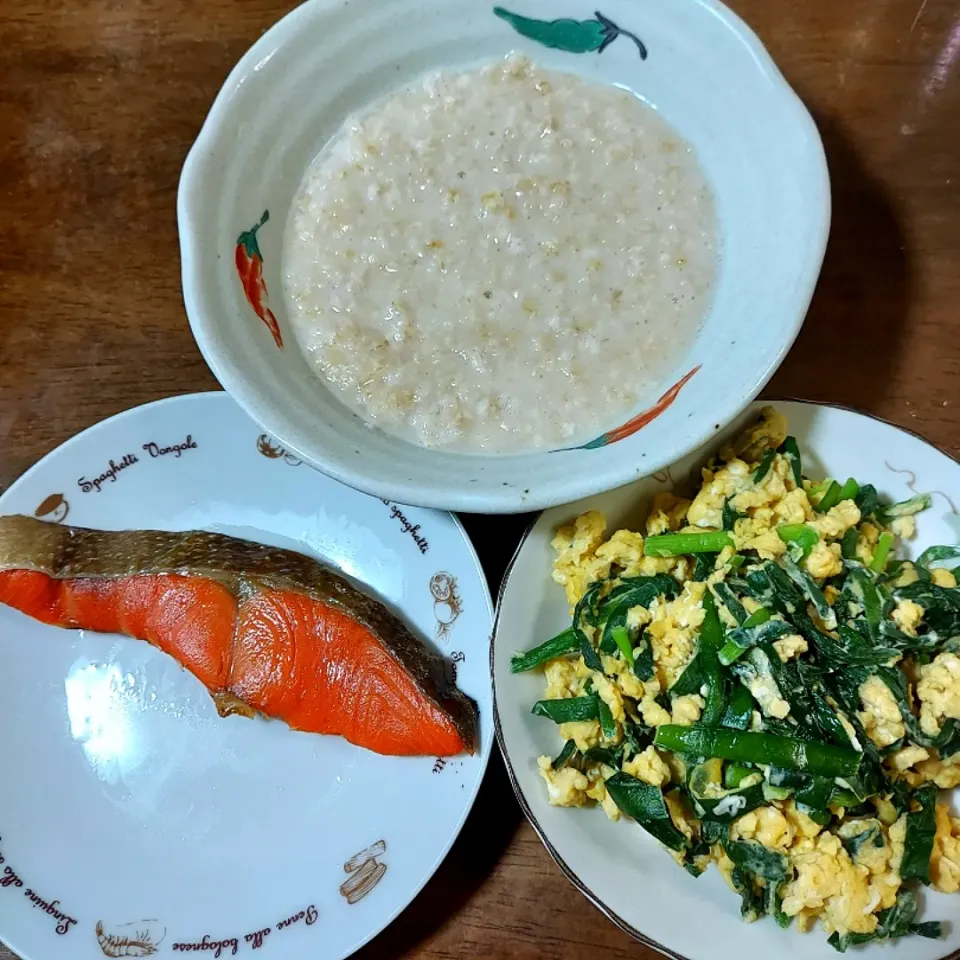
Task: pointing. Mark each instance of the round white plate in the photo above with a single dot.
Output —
(133, 819)
(618, 866)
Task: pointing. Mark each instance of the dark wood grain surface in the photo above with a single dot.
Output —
(99, 102)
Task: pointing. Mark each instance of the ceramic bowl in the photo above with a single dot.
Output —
(704, 70)
(618, 866)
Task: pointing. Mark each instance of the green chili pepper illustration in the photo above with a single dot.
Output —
(573, 36)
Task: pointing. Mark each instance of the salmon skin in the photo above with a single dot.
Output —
(266, 631)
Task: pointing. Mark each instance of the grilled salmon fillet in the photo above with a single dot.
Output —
(265, 630)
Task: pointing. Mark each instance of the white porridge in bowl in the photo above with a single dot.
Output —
(501, 259)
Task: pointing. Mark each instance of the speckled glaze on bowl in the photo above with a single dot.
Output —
(693, 60)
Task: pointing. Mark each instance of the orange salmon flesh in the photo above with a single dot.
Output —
(276, 649)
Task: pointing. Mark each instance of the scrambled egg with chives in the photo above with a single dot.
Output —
(837, 644)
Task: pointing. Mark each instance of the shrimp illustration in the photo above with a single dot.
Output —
(273, 451)
(140, 938)
(268, 449)
(912, 485)
(447, 604)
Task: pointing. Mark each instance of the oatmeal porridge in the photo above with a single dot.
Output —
(502, 259)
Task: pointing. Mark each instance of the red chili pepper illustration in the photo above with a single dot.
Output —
(642, 419)
(250, 270)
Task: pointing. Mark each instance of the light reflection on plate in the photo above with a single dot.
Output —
(98, 717)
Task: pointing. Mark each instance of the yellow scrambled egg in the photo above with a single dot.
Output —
(945, 862)
(881, 717)
(939, 691)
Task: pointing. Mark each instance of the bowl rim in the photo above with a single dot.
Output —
(487, 494)
(541, 833)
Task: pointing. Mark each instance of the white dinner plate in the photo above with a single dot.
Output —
(618, 866)
(133, 819)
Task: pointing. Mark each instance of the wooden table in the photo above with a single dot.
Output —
(99, 102)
